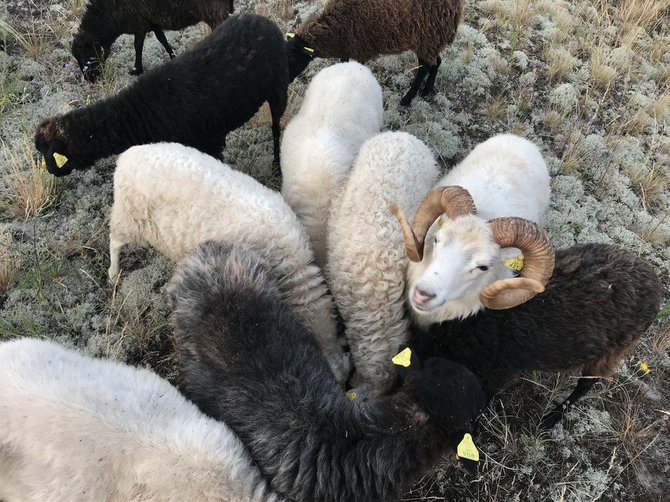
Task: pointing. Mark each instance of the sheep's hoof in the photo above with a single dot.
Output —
(427, 92)
(135, 72)
(550, 420)
(406, 102)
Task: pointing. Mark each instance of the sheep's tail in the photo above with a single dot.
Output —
(306, 292)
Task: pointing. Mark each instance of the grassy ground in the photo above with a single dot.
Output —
(587, 80)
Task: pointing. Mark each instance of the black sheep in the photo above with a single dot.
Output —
(598, 303)
(105, 20)
(246, 361)
(195, 99)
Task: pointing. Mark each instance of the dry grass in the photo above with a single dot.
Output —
(277, 10)
(602, 74)
(34, 37)
(560, 63)
(495, 108)
(9, 262)
(30, 188)
(650, 183)
(642, 13)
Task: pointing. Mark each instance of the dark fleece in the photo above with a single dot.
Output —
(246, 361)
(194, 99)
(364, 29)
(600, 300)
(105, 20)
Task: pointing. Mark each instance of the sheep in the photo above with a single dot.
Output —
(342, 108)
(104, 21)
(194, 99)
(598, 303)
(77, 428)
(495, 198)
(364, 29)
(366, 260)
(174, 197)
(244, 359)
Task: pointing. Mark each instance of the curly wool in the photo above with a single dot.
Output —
(77, 428)
(174, 197)
(245, 360)
(365, 29)
(342, 108)
(599, 302)
(366, 254)
(195, 99)
(104, 21)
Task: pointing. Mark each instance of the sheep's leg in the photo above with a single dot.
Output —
(139, 46)
(429, 87)
(114, 255)
(552, 418)
(277, 108)
(160, 36)
(418, 79)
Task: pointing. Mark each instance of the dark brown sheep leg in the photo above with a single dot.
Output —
(139, 46)
(160, 36)
(430, 81)
(277, 108)
(583, 386)
(418, 79)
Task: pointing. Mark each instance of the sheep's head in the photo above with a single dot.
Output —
(448, 393)
(299, 55)
(90, 56)
(461, 266)
(50, 141)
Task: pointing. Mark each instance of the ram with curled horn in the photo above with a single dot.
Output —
(481, 207)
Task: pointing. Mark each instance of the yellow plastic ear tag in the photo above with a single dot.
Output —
(309, 49)
(515, 264)
(467, 449)
(60, 159)
(352, 396)
(290, 35)
(403, 358)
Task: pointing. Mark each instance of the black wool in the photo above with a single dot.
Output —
(195, 99)
(245, 360)
(598, 303)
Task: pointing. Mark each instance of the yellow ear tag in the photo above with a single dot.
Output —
(467, 449)
(60, 159)
(352, 396)
(290, 35)
(515, 264)
(403, 358)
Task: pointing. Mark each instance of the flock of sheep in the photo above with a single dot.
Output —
(363, 234)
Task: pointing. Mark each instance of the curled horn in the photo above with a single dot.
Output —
(453, 200)
(538, 253)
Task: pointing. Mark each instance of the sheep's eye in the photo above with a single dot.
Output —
(483, 268)
(435, 240)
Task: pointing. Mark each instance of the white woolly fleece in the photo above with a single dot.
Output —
(73, 428)
(506, 176)
(342, 108)
(174, 197)
(366, 251)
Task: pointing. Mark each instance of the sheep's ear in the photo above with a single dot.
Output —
(57, 163)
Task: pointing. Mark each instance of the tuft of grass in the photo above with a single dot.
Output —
(30, 190)
(649, 183)
(495, 108)
(277, 10)
(643, 13)
(602, 74)
(9, 262)
(33, 37)
(560, 63)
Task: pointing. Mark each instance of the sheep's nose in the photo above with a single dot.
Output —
(422, 297)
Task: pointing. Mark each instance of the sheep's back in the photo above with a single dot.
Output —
(65, 419)
(366, 255)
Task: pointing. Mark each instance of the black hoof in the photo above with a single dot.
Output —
(135, 72)
(406, 102)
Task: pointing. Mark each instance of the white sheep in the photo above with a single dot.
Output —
(366, 258)
(342, 108)
(174, 197)
(77, 428)
(497, 197)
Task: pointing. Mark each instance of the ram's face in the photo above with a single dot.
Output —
(458, 260)
(90, 57)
